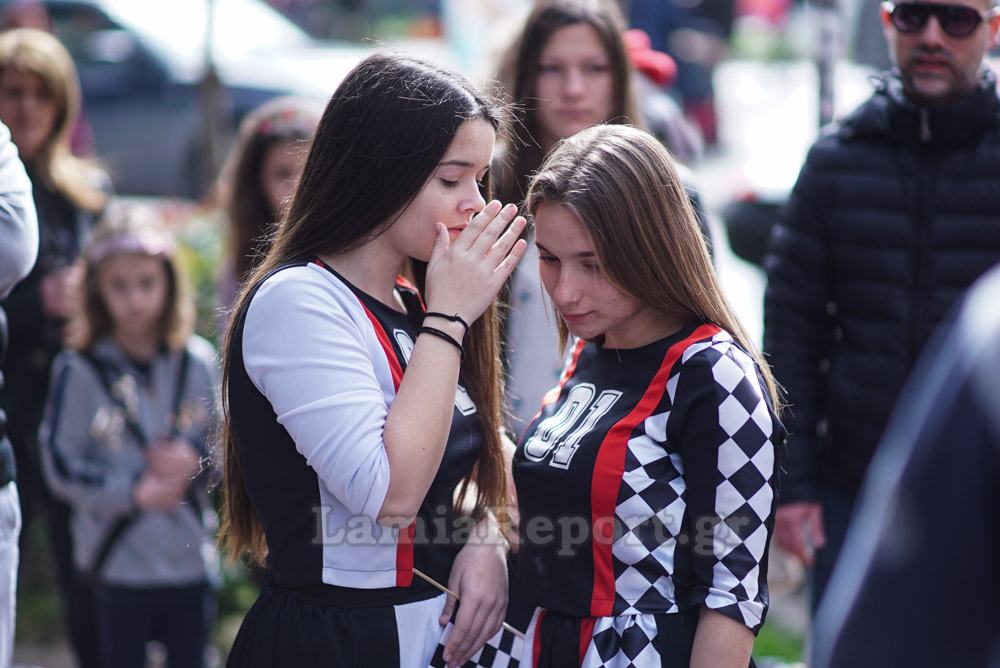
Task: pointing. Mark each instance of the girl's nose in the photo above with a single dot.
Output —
(474, 202)
(566, 292)
(574, 82)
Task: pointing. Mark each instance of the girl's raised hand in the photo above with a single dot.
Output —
(464, 276)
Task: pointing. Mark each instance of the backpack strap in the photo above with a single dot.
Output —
(182, 373)
(104, 372)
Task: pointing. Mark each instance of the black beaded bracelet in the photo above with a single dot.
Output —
(452, 318)
(447, 337)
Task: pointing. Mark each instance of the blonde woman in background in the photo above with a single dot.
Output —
(40, 102)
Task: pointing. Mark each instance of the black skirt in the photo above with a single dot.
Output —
(287, 627)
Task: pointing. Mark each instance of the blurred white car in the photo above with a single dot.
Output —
(142, 65)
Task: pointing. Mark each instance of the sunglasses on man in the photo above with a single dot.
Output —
(955, 20)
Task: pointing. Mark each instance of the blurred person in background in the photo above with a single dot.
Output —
(568, 69)
(895, 213)
(696, 34)
(918, 582)
(126, 441)
(39, 101)
(34, 14)
(258, 180)
(18, 250)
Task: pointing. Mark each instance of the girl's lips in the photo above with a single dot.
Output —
(574, 317)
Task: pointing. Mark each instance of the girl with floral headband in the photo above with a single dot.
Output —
(125, 442)
(258, 179)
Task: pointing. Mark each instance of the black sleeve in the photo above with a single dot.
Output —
(725, 432)
(798, 327)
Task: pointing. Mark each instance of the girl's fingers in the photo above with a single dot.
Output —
(441, 241)
(505, 268)
(478, 224)
(465, 644)
(489, 234)
(506, 242)
(449, 607)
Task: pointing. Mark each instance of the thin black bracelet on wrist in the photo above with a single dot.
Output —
(447, 337)
(452, 318)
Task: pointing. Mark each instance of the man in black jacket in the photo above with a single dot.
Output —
(896, 211)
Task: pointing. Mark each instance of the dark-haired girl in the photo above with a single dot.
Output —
(360, 448)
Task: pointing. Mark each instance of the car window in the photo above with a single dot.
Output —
(174, 31)
(74, 24)
(239, 25)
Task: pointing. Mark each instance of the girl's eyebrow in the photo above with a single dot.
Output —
(455, 163)
(546, 250)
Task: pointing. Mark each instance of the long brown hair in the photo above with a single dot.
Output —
(37, 52)
(621, 183)
(382, 134)
(522, 153)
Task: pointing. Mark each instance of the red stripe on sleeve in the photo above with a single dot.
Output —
(390, 353)
(404, 555)
(404, 541)
(610, 466)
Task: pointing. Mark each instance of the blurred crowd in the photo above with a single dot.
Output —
(864, 265)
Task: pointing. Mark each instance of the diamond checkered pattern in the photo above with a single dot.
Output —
(501, 651)
(649, 511)
(623, 642)
(652, 500)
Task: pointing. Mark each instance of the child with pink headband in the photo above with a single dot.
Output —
(125, 441)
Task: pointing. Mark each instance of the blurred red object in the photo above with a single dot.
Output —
(656, 65)
(774, 11)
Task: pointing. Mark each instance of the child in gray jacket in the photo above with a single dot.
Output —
(125, 442)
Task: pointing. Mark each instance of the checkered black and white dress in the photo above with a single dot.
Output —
(646, 488)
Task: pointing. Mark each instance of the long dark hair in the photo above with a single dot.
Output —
(523, 154)
(380, 139)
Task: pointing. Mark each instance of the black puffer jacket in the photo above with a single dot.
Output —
(895, 213)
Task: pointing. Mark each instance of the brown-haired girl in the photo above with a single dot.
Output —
(568, 70)
(653, 461)
(125, 435)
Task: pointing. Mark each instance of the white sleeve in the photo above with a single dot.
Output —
(18, 222)
(306, 353)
